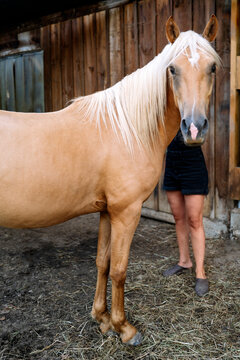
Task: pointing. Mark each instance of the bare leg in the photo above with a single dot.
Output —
(177, 204)
(123, 228)
(99, 309)
(194, 210)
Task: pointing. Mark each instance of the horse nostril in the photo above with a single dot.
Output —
(184, 125)
(205, 124)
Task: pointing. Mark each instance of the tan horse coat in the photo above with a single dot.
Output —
(54, 167)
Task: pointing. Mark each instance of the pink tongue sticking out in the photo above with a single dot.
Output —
(194, 131)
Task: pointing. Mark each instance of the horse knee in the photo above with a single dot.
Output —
(98, 309)
(103, 267)
(103, 262)
(118, 276)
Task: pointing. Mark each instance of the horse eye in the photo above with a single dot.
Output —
(213, 68)
(172, 70)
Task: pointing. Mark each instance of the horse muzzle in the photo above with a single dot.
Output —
(194, 132)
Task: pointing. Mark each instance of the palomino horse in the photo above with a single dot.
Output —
(104, 153)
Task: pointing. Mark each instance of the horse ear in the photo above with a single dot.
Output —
(211, 29)
(172, 30)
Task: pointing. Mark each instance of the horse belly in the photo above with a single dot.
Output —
(19, 211)
(34, 198)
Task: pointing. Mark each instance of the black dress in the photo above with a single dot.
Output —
(185, 170)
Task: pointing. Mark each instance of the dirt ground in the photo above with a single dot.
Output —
(47, 284)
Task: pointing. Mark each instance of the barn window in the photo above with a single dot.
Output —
(22, 82)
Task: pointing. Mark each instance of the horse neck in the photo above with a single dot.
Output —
(172, 116)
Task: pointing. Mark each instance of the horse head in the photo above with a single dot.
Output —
(191, 76)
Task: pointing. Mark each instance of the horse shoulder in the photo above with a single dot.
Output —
(130, 179)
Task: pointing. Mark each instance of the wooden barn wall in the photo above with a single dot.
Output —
(92, 52)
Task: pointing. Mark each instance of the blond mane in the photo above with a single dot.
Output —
(136, 104)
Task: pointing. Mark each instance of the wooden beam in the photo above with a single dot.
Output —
(234, 131)
(238, 73)
(60, 16)
(234, 184)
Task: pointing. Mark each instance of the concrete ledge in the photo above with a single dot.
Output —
(157, 215)
(213, 228)
(235, 223)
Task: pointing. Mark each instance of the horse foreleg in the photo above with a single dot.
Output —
(99, 309)
(123, 228)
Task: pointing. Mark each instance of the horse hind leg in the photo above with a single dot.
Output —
(99, 309)
(122, 231)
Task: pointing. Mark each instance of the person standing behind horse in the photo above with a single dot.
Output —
(186, 184)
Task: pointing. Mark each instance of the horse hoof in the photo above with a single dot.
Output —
(110, 333)
(136, 340)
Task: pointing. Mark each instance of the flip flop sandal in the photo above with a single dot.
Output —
(201, 286)
(175, 270)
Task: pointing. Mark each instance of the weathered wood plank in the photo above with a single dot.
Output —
(182, 12)
(45, 42)
(90, 61)
(147, 33)
(78, 56)
(122, 41)
(20, 83)
(163, 11)
(38, 82)
(238, 73)
(115, 46)
(28, 79)
(66, 61)
(234, 184)
(2, 84)
(234, 135)
(101, 43)
(10, 84)
(108, 48)
(202, 10)
(56, 70)
(131, 38)
(223, 11)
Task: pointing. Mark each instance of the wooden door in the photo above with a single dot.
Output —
(21, 82)
(234, 139)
